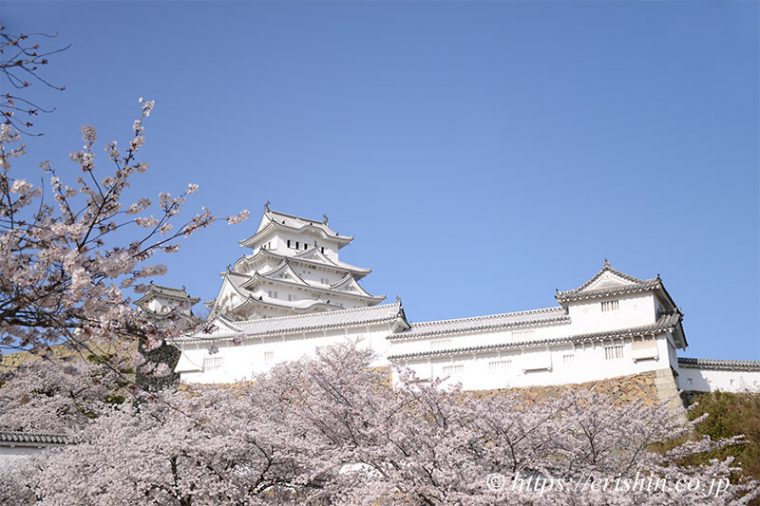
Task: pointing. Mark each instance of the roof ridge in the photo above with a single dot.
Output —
(337, 265)
(315, 287)
(271, 302)
(288, 215)
(647, 284)
(488, 317)
(334, 312)
(652, 329)
(607, 267)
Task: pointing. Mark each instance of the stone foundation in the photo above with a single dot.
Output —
(650, 387)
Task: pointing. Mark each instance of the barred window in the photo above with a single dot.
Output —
(499, 366)
(568, 359)
(613, 352)
(453, 371)
(610, 305)
(439, 344)
(211, 363)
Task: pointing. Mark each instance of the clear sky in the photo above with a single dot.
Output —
(482, 153)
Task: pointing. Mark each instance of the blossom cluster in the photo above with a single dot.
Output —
(331, 430)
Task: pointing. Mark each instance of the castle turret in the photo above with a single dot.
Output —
(293, 268)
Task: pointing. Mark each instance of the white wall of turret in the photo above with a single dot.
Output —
(612, 313)
(293, 243)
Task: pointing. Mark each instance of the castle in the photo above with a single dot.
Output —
(291, 295)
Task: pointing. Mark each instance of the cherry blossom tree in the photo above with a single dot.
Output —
(22, 56)
(71, 251)
(331, 430)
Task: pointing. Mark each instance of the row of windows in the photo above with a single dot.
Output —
(611, 352)
(298, 244)
(214, 363)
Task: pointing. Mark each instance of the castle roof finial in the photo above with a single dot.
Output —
(607, 264)
(266, 206)
(325, 219)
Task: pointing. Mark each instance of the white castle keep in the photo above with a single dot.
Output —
(292, 295)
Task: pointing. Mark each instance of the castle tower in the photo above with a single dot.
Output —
(293, 268)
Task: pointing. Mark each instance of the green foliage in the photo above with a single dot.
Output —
(114, 399)
(732, 414)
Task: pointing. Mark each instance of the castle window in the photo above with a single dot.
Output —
(610, 305)
(453, 371)
(568, 359)
(298, 245)
(288, 243)
(522, 334)
(499, 366)
(322, 249)
(439, 344)
(614, 351)
(268, 357)
(212, 363)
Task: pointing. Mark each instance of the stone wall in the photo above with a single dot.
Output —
(651, 387)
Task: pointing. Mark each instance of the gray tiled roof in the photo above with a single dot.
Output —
(277, 219)
(303, 322)
(167, 291)
(9, 438)
(720, 365)
(549, 316)
(583, 293)
(664, 324)
(292, 221)
(580, 294)
(336, 264)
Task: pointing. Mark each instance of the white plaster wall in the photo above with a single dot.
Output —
(588, 363)
(501, 336)
(708, 380)
(634, 311)
(11, 454)
(278, 241)
(297, 293)
(242, 362)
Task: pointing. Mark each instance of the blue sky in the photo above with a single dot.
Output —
(482, 153)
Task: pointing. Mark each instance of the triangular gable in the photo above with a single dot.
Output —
(608, 278)
(231, 293)
(605, 280)
(315, 255)
(265, 220)
(349, 285)
(284, 272)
